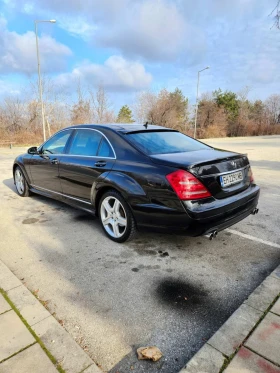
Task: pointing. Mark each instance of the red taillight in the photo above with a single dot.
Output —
(251, 176)
(187, 186)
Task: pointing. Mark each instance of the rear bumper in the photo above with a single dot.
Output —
(204, 216)
(208, 215)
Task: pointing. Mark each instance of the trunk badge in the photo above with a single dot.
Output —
(233, 163)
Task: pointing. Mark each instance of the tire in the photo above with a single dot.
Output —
(116, 217)
(20, 183)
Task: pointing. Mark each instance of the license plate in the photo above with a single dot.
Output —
(230, 179)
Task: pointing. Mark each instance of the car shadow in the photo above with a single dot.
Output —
(10, 184)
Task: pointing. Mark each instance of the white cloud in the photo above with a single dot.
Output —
(150, 29)
(18, 52)
(116, 74)
(154, 30)
(77, 27)
(8, 89)
(79, 18)
(175, 37)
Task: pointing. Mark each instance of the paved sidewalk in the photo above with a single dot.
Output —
(249, 341)
(31, 340)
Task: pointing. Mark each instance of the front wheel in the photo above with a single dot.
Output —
(20, 182)
(116, 218)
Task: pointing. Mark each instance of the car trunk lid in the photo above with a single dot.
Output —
(209, 166)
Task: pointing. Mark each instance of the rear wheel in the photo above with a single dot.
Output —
(116, 218)
(20, 182)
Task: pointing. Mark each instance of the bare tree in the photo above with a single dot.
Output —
(81, 109)
(55, 108)
(101, 107)
(273, 109)
(14, 113)
(145, 101)
(275, 14)
(168, 109)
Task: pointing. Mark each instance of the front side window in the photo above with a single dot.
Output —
(164, 142)
(57, 143)
(85, 142)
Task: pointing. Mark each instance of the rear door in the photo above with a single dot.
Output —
(44, 166)
(89, 155)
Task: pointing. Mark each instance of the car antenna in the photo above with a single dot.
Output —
(146, 124)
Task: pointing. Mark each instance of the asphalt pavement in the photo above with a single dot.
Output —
(165, 290)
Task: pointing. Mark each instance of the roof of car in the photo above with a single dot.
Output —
(123, 127)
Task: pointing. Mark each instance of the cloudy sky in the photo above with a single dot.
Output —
(134, 45)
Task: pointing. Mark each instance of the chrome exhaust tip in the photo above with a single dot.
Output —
(211, 235)
(255, 211)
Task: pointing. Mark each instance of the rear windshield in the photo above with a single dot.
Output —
(157, 142)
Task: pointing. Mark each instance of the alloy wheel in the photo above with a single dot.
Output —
(113, 217)
(19, 180)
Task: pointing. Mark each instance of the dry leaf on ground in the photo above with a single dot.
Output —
(149, 353)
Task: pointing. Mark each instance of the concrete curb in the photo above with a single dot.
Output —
(71, 357)
(226, 341)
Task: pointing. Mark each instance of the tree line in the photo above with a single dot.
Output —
(220, 113)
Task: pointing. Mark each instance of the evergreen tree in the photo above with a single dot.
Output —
(228, 100)
(179, 103)
(125, 115)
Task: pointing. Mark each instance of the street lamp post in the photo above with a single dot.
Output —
(196, 109)
(39, 74)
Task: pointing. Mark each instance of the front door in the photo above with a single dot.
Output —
(89, 156)
(44, 165)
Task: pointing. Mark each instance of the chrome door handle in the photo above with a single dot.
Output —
(100, 164)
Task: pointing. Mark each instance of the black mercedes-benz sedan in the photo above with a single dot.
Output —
(133, 175)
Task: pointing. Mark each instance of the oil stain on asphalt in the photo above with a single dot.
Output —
(30, 221)
(180, 294)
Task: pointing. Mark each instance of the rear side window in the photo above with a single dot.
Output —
(164, 142)
(85, 142)
(105, 149)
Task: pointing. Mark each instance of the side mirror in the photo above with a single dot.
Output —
(33, 150)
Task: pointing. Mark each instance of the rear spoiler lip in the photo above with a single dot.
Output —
(194, 167)
(127, 132)
(219, 160)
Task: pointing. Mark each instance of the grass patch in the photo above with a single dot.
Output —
(37, 339)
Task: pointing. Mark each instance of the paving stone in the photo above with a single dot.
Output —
(13, 336)
(235, 329)
(61, 345)
(262, 297)
(4, 305)
(30, 308)
(276, 307)
(276, 273)
(247, 361)
(7, 279)
(92, 369)
(206, 360)
(266, 338)
(33, 359)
